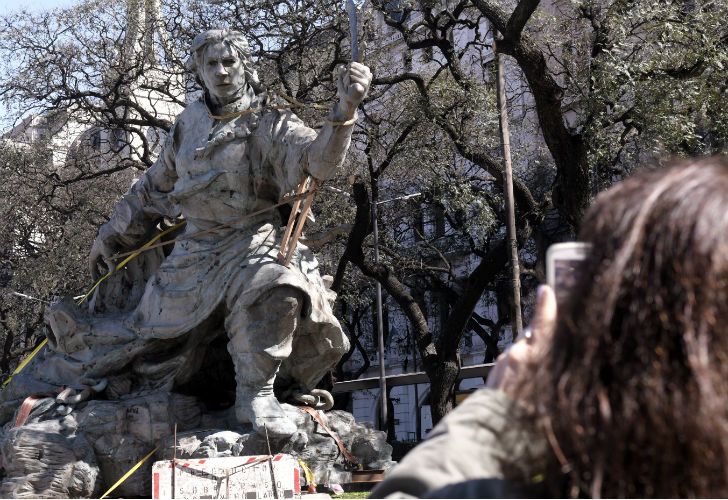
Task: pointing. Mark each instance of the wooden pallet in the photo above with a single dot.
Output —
(364, 480)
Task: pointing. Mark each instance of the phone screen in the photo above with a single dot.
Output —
(563, 266)
(566, 275)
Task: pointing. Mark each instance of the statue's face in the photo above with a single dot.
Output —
(222, 71)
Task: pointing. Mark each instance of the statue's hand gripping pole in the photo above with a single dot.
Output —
(291, 235)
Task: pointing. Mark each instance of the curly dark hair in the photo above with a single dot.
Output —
(633, 394)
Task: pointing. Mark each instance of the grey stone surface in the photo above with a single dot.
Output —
(83, 453)
(48, 460)
(311, 443)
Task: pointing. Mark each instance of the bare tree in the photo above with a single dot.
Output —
(631, 80)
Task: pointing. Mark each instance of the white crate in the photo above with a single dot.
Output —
(230, 477)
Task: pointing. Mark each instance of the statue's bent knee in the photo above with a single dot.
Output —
(280, 303)
(268, 324)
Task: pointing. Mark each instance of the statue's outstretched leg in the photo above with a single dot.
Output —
(261, 337)
(71, 329)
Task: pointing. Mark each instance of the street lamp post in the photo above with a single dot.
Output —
(380, 327)
(380, 322)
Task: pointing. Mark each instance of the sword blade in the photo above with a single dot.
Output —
(351, 10)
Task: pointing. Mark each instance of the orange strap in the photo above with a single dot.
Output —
(26, 408)
(291, 245)
(317, 417)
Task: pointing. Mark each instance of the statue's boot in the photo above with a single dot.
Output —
(255, 401)
(261, 337)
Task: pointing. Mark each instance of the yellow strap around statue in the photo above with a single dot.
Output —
(131, 257)
(88, 294)
(129, 473)
(152, 243)
(25, 361)
(310, 479)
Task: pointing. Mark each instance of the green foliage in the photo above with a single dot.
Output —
(470, 209)
(354, 494)
(648, 80)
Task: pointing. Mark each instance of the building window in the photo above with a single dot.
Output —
(118, 140)
(394, 10)
(41, 133)
(95, 140)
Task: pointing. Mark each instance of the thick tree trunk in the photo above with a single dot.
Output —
(7, 345)
(443, 378)
(391, 434)
(572, 187)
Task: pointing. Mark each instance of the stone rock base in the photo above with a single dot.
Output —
(81, 454)
(312, 444)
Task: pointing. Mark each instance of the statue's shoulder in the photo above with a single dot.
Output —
(192, 111)
(268, 113)
(187, 119)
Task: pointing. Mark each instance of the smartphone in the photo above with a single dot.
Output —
(562, 264)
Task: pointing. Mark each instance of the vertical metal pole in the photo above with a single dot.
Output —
(380, 326)
(270, 464)
(174, 460)
(517, 323)
(418, 410)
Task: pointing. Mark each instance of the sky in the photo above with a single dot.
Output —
(10, 6)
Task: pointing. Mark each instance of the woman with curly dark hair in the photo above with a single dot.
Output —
(625, 392)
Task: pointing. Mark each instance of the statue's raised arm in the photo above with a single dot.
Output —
(328, 150)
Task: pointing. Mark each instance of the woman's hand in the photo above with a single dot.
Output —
(528, 349)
